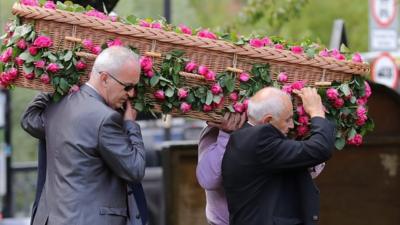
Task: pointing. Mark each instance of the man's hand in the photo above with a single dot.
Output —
(311, 102)
(230, 122)
(130, 113)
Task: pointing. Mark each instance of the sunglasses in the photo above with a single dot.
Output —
(127, 87)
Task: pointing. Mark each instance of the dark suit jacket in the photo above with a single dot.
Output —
(265, 174)
(91, 155)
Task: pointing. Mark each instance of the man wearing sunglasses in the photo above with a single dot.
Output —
(92, 150)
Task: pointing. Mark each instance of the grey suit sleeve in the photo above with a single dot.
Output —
(32, 120)
(121, 146)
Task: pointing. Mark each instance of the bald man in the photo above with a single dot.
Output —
(265, 174)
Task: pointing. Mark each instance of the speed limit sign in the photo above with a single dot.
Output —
(384, 11)
(384, 70)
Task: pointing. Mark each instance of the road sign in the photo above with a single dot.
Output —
(384, 70)
(383, 25)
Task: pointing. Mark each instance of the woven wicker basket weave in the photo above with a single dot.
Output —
(217, 55)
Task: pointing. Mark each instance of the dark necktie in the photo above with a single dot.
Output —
(140, 198)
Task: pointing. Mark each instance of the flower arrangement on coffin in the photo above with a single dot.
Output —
(163, 85)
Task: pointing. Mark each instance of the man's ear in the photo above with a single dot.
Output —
(266, 119)
(103, 78)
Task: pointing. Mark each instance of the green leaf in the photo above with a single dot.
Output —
(352, 133)
(230, 83)
(42, 2)
(217, 98)
(89, 7)
(154, 81)
(38, 72)
(177, 53)
(61, 6)
(27, 69)
(139, 106)
(79, 8)
(131, 19)
(169, 92)
(310, 52)
(209, 98)
(55, 81)
(68, 56)
(190, 98)
(230, 108)
(344, 48)
(340, 143)
(26, 56)
(64, 85)
(345, 89)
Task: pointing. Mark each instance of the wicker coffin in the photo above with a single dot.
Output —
(67, 28)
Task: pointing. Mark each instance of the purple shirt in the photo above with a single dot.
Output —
(212, 147)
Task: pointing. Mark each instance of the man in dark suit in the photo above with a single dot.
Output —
(92, 150)
(265, 174)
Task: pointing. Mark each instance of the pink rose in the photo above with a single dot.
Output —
(33, 50)
(149, 73)
(146, 63)
(114, 18)
(30, 2)
(29, 76)
(202, 70)
(298, 85)
(324, 53)
(87, 44)
(287, 89)
(340, 57)
(332, 94)
(185, 107)
(43, 42)
(6, 56)
(257, 43)
(97, 14)
(210, 75)
(216, 89)
(40, 64)
(80, 65)
(297, 49)
(144, 23)
(21, 44)
(267, 41)
(303, 120)
(53, 67)
(360, 122)
(361, 113)
(238, 107)
(50, 5)
(338, 103)
(182, 93)
(184, 29)
(357, 58)
(279, 46)
(74, 88)
(282, 77)
(362, 101)
(159, 95)
(368, 90)
(96, 50)
(356, 140)
(156, 25)
(300, 110)
(116, 42)
(207, 34)
(19, 61)
(334, 52)
(13, 73)
(246, 103)
(234, 96)
(302, 131)
(190, 67)
(244, 77)
(45, 78)
(207, 108)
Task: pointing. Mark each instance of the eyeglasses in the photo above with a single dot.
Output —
(127, 87)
